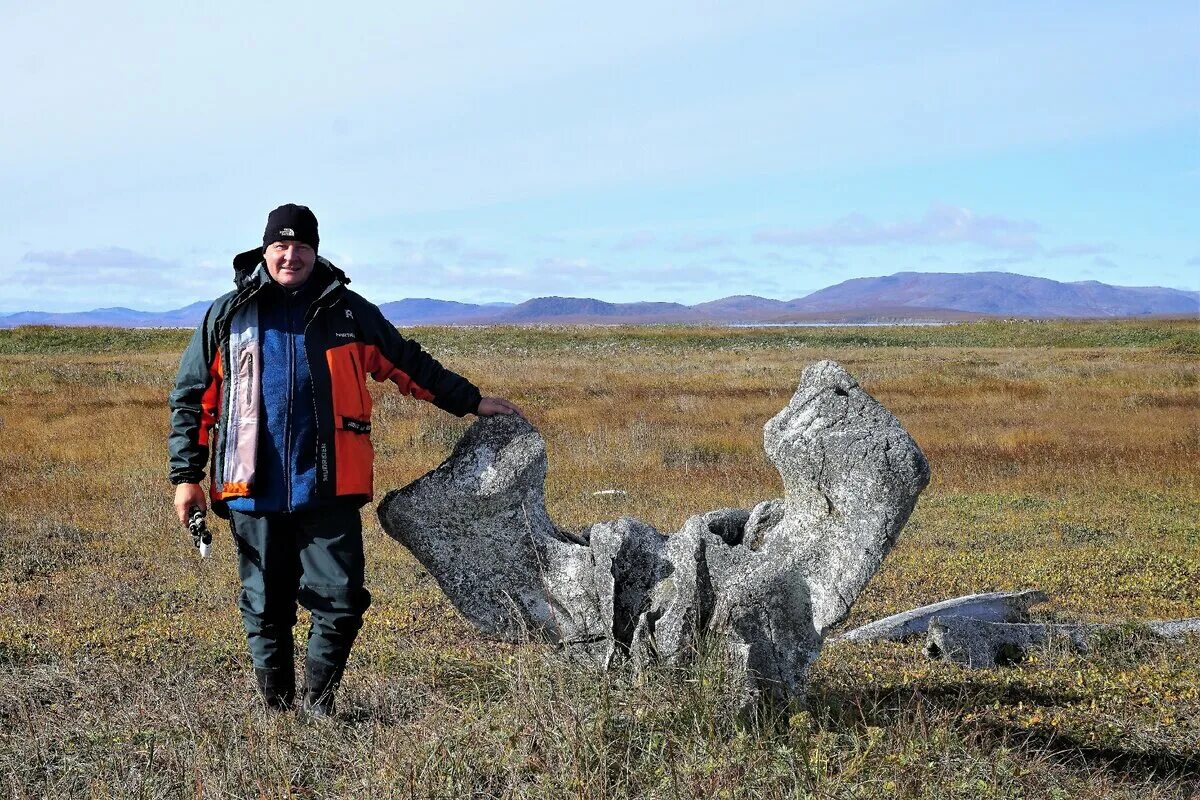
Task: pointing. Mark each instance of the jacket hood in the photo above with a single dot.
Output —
(245, 266)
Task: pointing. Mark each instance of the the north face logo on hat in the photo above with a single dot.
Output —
(291, 223)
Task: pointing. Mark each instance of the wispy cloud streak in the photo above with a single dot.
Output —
(95, 258)
(941, 225)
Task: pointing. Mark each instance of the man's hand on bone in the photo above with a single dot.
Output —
(490, 406)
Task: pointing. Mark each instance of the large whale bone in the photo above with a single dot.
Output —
(764, 584)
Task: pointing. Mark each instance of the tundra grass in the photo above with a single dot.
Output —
(1064, 457)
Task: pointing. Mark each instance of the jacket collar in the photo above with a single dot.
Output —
(250, 273)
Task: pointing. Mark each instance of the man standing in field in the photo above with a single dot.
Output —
(272, 392)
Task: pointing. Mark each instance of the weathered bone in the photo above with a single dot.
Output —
(980, 644)
(988, 606)
(767, 583)
(1174, 628)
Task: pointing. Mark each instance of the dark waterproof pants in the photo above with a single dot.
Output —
(315, 557)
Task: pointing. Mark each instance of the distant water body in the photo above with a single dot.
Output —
(838, 324)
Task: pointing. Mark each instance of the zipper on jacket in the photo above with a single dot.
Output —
(310, 316)
(287, 423)
(321, 476)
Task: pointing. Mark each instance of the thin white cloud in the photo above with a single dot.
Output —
(421, 272)
(695, 243)
(68, 281)
(481, 256)
(95, 257)
(999, 261)
(559, 275)
(573, 267)
(688, 276)
(436, 251)
(637, 240)
(1080, 250)
(444, 244)
(941, 225)
(772, 257)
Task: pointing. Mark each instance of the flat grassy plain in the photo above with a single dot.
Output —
(1064, 457)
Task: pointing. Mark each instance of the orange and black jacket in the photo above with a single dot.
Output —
(217, 405)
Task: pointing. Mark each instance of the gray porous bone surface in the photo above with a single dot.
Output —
(982, 644)
(1173, 628)
(979, 644)
(988, 606)
(765, 584)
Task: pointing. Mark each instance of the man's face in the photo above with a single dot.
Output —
(290, 263)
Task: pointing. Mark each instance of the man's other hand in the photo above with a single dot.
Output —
(490, 406)
(188, 495)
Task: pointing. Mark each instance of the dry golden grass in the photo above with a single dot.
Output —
(1069, 468)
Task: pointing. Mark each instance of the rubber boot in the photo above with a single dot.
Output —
(277, 686)
(320, 684)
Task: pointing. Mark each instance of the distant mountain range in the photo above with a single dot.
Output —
(186, 317)
(905, 296)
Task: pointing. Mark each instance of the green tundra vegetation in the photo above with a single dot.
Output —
(1064, 457)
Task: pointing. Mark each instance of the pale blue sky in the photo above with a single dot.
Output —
(498, 151)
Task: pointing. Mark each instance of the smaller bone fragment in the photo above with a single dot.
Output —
(980, 644)
(1174, 628)
(989, 606)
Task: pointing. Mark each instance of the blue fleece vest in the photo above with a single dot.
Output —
(285, 474)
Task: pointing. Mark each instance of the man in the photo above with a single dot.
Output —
(271, 392)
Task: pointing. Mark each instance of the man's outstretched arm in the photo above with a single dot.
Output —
(417, 373)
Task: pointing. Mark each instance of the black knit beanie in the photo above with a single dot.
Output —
(291, 222)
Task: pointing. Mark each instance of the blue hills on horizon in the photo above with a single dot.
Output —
(904, 296)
